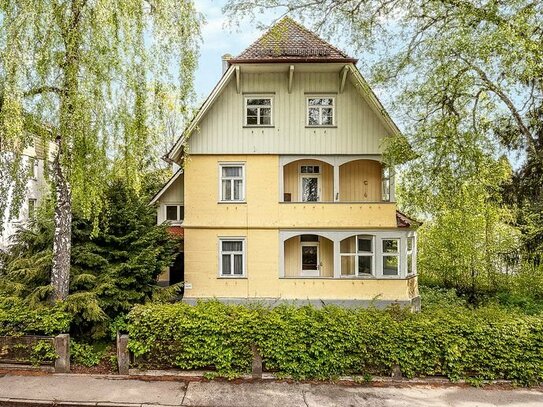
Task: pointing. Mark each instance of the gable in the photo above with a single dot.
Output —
(360, 129)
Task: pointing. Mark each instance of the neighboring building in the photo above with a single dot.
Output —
(284, 195)
(36, 189)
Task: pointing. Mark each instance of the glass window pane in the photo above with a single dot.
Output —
(347, 265)
(231, 171)
(259, 102)
(313, 116)
(310, 188)
(252, 120)
(232, 246)
(265, 111)
(226, 266)
(365, 265)
(313, 101)
(390, 265)
(265, 120)
(226, 190)
(238, 189)
(409, 263)
(309, 238)
(348, 245)
(327, 101)
(252, 111)
(171, 212)
(309, 257)
(365, 244)
(409, 244)
(390, 245)
(327, 120)
(238, 264)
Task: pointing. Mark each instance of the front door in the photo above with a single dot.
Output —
(177, 270)
(310, 259)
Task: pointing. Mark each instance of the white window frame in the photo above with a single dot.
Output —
(243, 252)
(232, 164)
(245, 107)
(411, 252)
(386, 175)
(396, 254)
(333, 107)
(178, 221)
(356, 255)
(310, 273)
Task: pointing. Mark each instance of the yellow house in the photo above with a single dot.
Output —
(281, 193)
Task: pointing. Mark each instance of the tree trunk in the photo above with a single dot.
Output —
(62, 243)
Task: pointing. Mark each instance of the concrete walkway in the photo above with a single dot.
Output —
(81, 390)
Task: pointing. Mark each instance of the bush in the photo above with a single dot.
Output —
(86, 354)
(309, 343)
(19, 319)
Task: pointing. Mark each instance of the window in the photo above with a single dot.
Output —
(232, 257)
(232, 182)
(410, 256)
(33, 168)
(175, 213)
(320, 111)
(357, 256)
(385, 188)
(258, 111)
(31, 208)
(391, 257)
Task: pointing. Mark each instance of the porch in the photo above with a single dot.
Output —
(362, 254)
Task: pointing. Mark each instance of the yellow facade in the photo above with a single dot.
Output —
(259, 221)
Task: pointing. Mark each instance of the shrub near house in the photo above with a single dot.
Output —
(310, 343)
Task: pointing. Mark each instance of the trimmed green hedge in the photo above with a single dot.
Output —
(18, 319)
(309, 343)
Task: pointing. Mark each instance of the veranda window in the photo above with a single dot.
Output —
(391, 257)
(357, 256)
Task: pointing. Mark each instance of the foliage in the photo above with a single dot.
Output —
(110, 271)
(85, 354)
(43, 351)
(487, 343)
(18, 319)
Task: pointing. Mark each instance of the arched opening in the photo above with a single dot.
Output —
(309, 255)
(308, 181)
(361, 181)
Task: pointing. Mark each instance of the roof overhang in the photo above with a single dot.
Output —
(166, 186)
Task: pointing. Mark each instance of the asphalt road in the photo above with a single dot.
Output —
(80, 390)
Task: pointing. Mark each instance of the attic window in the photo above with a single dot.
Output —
(320, 111)
(258, 111)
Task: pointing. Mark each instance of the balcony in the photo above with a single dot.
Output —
(334, 179)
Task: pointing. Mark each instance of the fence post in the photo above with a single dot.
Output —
(62, 348)
(123, 357)
(257, 363)
(396, 372)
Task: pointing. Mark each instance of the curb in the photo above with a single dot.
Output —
(16, 402)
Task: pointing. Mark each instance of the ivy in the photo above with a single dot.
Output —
(326, 343)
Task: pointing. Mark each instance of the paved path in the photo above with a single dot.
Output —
(83, 390)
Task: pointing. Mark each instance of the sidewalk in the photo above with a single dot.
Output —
(82, 390)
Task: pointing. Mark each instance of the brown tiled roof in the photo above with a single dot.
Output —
(288, 41)
(403, 221)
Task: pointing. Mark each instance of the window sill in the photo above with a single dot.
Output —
(321, 127)
(173, 223)
(255, 126)
(232, 202)
(232, 278)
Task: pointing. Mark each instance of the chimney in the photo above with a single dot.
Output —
(225, 58)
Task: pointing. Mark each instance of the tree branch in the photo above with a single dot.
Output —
(40, 90)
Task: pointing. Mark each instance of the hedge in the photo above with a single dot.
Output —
(18, 319)
(325, 343)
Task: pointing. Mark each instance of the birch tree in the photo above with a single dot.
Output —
(89, 70)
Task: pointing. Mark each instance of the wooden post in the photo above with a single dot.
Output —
(257, 363)
(123, 357)
(62, 347)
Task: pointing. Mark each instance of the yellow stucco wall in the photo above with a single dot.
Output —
(259, 221)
